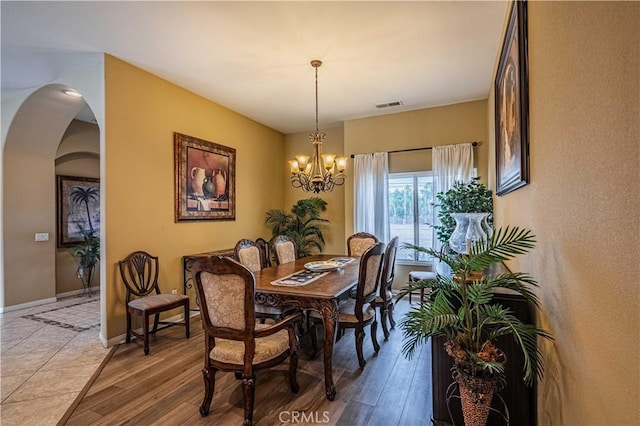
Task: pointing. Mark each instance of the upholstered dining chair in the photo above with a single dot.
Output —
(233, 341)
(359, 242)
(248, 254)
(284, 249)
(384, 300)
(139, 272)
(359, 312)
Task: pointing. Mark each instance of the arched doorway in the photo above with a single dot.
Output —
(44, 139)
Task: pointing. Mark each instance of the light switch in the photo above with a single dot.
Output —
(42, 236)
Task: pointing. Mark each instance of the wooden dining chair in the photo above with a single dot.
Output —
(359, 312)
(384, 300)
(265, 252)
(359, 242)
(248, 254)
(284, 249)
(232, 339)
(139, 272)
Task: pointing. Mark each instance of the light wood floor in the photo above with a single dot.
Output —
(166, 387)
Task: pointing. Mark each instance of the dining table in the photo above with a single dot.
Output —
(321, 293)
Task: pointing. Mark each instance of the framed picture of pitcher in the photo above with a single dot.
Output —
(205, 180)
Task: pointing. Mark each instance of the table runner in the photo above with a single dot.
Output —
(299, 278)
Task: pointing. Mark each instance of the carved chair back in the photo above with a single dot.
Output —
(226, 291)
(248, 254)
(139, 272)
(284, 249)
(388, 268)
(368, 277)
(359, 242)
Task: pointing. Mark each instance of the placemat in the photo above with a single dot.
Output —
(299, 278)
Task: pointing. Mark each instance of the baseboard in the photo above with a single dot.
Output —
(27, 305)
(122, 337)
(69, 293)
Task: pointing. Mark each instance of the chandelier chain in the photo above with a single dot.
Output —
(323, 172)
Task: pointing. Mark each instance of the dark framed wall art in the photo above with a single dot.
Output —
(78, 209)
(205, 180)
(512, 105)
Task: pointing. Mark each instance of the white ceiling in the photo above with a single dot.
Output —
(253, 57)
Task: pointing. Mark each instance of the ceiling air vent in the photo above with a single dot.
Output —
(389, 104)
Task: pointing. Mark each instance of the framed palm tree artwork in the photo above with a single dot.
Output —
(78, 209)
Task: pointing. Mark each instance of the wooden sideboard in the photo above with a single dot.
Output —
(520, 399)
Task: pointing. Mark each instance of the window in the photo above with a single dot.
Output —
(411, 212)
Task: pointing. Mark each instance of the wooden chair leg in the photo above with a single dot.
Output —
(249, 392)
(391, 320)
(374, 338)
(145, 333)
(383, 321)
(293, 368)
(359, 335)
(128, 339)
(156, 320)
(311, 326)
(209, 387)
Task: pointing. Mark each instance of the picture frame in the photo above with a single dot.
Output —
(205, 180)
(77, 208)
(512, 105)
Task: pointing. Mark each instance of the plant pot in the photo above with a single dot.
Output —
(476, 394)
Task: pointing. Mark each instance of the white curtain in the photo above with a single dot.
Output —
(371, 206)
(451, 163)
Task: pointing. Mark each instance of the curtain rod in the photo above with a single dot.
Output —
(474, 143)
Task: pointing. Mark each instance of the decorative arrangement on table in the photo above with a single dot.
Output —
(461, 308)
(463, 204)
(312, 271)
(302, 224)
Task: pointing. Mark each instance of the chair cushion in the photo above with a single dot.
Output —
(346, 312)
(421, 275)
(232, 351)
(155, 301)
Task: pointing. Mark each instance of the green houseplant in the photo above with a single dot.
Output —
(461, 308)
(88, 254)
(302, 224)
(463, 197)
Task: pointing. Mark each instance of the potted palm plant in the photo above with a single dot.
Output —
(88, 254)
(461, 308)
(302, 224)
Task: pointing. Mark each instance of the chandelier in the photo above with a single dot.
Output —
(320, 172)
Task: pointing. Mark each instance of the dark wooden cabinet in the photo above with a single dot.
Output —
(520, 399)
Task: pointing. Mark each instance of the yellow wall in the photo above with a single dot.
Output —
(583, 205)
(299, 143)
(452, 124)
(142, 113)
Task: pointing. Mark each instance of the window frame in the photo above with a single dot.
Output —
(416, 225)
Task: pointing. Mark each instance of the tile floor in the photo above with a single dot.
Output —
(47, 355)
